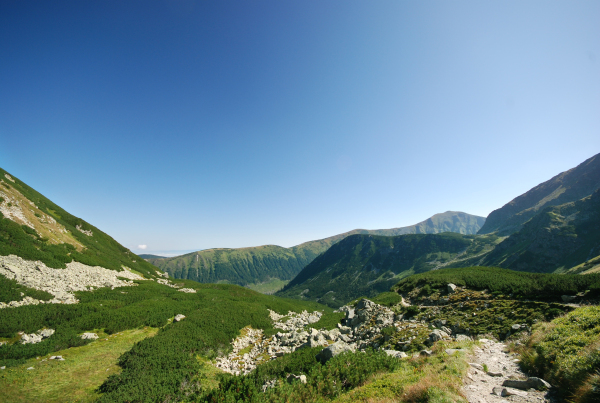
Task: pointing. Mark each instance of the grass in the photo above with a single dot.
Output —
(424, 379)
(269, 287)
(75, 379)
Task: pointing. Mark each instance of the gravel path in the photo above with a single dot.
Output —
(486, 386)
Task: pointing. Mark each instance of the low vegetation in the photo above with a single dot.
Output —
(156, 368)
(509, 283)
(566, 353)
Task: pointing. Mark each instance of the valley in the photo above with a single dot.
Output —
(454, 309)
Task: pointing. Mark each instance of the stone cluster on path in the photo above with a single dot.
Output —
(494, 376)
(61, 283)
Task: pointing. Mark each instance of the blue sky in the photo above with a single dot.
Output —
(184, 125)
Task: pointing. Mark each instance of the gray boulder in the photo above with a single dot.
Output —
(89, 336)
(451, 288)
(45, 333)
(329, 352)
(179, 317)
(397, 354)
(568, 298)
(532, 382)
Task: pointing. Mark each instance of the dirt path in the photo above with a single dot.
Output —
(491, 365)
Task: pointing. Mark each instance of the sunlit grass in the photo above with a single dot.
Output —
(72, 380)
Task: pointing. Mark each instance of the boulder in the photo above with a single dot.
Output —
(397, 354)
(45, 333)
(89, 336)
(291, 378)
(329, 352)
(451, 288)
(437, 335)
(531, 382)
(568, 298)
(31, 338)
(179, 317)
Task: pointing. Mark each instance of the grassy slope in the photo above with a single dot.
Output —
(365, 265)
(76, 379)
(98, 249)
(556, 239)
(259, 264)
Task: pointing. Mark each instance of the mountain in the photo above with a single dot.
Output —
(365, 265)
(34, 228)
(552, 228)
(146, 256)
(568, 186)
(263, 263)
(555, 240)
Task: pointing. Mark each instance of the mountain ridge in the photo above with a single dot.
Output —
(250, 265)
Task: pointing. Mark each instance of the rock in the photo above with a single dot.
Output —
(426, 352)
(397, 354)
(451, 288)
(313, 319)
(89, 336)
(476, 366)
(499, 374)
(513, 392)
(329, 352)
(30, 368)
(291, 378)
(344, 329)
(498, 391)
(333, 334)
(31, 338)
(45, 333)
(3, 367)
(179, 317)
(531, 382)
(452, 351)
(437, 335)
(61, 283)
(568, 298)
(462, 337)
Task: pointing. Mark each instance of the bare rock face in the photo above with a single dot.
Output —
(89, 336)
(451, 288)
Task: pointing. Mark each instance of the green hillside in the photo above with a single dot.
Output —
(263, 264)
(555, 240)
(38, 229)
(568, 186)
(365, 265)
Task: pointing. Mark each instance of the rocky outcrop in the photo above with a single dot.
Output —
(179, 317)
(89, 336)
(37, 337)
(61, 283)
(178, 287)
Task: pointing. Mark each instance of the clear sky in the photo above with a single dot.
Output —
(184, 125)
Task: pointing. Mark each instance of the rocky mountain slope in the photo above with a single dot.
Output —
(566, 187)
(259, 264)
(36, 229)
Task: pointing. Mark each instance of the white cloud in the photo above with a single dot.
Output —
(142, 246)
